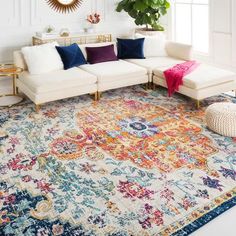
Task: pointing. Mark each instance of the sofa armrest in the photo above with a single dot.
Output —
(19, 60)
(179, 50)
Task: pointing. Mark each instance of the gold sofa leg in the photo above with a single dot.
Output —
(198, 104)
(37, 108)
(99, 94)
(95, 96)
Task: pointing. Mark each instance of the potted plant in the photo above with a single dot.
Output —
(145, 12)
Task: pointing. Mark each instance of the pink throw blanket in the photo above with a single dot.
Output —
(174, 76)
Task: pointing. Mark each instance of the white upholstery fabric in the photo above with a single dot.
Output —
(122, 82)
(221, 118)
(154, 46)
(178, 50)
(204, 76)
(114, 70)
(83, 47)
(40, 98)
(204, 82)
(19, 60)
(155, 62)
(42, 58)
(200, 93)
(57, 80)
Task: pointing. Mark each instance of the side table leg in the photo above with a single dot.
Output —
(14, 84)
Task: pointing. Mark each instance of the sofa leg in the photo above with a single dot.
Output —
(99, 94)
(154, 86)
(37, 108)
(150, 85)
(95, 96)
(146, 86)
(198, 103)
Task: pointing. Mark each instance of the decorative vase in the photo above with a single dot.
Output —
(64, 32)
(94, 26)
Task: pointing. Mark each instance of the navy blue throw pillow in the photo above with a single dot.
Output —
(130, 48)
(71, 56)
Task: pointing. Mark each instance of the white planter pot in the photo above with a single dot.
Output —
(149, 32)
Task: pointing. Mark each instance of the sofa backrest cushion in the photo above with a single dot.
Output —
(130, 48)
(42, 58)
(179, 50)
(101, 54)
(19, 60)
(71, 56)
(154, 46)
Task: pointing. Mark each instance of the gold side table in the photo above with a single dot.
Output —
(81, 38)
(9, 70)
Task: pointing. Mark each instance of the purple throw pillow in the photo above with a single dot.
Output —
(101, 54)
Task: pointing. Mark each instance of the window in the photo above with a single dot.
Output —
(191, 23)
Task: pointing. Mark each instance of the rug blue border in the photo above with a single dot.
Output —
(197, 224)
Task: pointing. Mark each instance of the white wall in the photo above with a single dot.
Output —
(223, 32)
(222, 29)
(20, 19)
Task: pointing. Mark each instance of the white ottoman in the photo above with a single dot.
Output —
(221, 118)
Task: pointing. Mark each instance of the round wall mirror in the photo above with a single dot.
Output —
(64, 6)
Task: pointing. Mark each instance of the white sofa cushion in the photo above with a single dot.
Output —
(179, 50)
(57, 80)
(114, 70)
(122, 82)
(154, 46)
(155, 62)
(19, 60)
(42, 59)
(204, 76)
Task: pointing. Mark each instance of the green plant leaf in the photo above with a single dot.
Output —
(145, 12)
(140, 5)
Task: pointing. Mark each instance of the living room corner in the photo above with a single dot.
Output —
(118, 117)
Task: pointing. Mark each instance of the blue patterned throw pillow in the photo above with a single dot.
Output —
(71, 56)
(130, 48)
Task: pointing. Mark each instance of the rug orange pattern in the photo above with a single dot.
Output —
(135, 163)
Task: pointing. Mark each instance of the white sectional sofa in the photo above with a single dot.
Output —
(176, 53)
(114, 74)
(54, 85)
(76, 81)
(205, 81)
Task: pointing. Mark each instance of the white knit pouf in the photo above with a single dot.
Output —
(221, 118)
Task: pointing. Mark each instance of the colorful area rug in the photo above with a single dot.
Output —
(135, 163)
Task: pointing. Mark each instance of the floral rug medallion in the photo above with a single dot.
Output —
(146, 134)
(135, 163)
